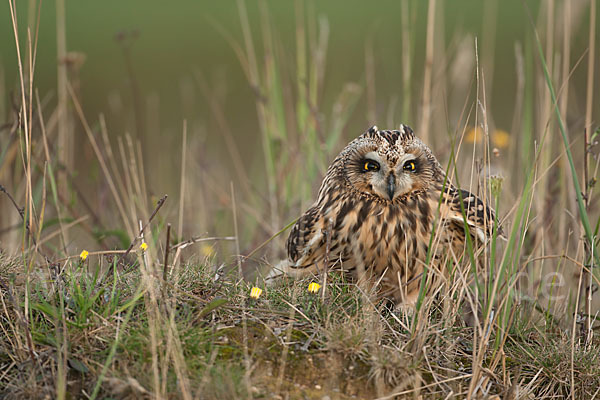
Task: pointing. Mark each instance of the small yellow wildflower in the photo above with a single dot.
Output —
(501, 138)
(144, 246)
(255, 292)
(313, 287)
(207, 250)
(474, 135)
(83, 255)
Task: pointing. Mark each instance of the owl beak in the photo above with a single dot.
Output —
(391, 186)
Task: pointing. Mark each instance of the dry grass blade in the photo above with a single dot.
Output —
(101, 160)
(30, 235)
(159, 204)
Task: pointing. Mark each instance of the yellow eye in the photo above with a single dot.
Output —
(410, 166)
(370, 165)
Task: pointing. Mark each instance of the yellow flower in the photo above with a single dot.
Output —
(207, 250)
(474, 135)
(501, 138)
(83, 255)
(255, 292)
(313, 287)
(144, 246)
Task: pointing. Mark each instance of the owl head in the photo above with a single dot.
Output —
(388, 164)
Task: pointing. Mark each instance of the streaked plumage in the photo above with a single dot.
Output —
(376, 209)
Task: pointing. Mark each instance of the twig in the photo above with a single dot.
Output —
(586, 326)
(182, 183)
(167, 247)
(180, 246)
(158, 207)
(160, 203)
(199, 239)
(237, 237)
(241, 278)
(588, 126)
(21, 211)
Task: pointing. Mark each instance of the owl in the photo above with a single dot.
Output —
(384, 201)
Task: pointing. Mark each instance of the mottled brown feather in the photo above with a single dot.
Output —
(385, 237)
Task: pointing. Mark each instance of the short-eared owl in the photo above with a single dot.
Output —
(383, 202)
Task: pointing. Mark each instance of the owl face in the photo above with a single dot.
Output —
(389, 164)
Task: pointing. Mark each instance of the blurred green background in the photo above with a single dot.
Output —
(176, 40)
(174, 47)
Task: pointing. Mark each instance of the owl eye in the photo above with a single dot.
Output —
(409, 166)
(370, 165)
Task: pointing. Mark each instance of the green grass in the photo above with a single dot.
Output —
(345, 344)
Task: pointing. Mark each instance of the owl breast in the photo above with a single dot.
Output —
(382, 242)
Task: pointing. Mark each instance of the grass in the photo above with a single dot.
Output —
(345, 344)
(175, 319)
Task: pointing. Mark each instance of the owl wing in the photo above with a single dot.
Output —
(479, 217)
(306, 239)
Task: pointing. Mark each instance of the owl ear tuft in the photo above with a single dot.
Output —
(371, 131)
(406, 131)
